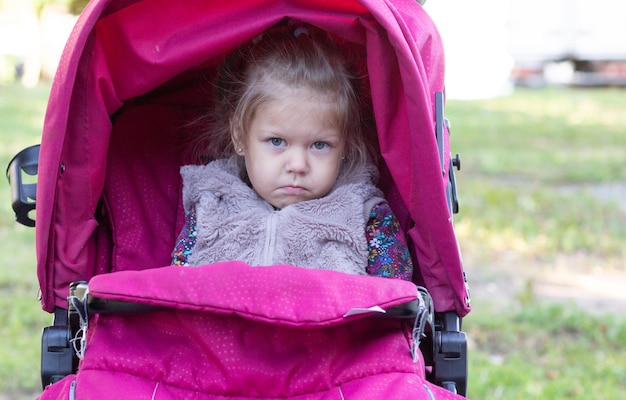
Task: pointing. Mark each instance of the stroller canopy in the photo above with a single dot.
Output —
(126, 55)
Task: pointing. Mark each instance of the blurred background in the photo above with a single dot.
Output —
(536, 99)
(493, 45)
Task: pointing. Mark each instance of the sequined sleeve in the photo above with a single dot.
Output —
(186, 239)
(389, 254)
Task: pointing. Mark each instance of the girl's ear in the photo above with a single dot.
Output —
(235, 137)
(240, 149)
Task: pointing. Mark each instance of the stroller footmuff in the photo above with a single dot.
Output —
(133, 74)
(266, 332)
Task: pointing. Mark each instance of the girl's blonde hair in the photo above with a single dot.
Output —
(296, 56)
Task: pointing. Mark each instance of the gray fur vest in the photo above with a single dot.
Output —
(234, 223)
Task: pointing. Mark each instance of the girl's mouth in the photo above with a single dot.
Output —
(293, 189)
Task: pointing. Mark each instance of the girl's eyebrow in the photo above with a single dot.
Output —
(331, 135)
(333, 138)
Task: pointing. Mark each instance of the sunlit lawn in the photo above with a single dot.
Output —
(535, 171)
(21, 119)
(545, 351)
(544, 136)
(532, 164)
(536, 167)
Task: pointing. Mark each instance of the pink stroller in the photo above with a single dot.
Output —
(108, 200)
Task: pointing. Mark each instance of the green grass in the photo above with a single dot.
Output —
(532, 163)
(544, 136)
(545, 351)
(533, 167)
(21, 119)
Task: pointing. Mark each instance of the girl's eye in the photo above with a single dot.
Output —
(276, 142)
(320, 145)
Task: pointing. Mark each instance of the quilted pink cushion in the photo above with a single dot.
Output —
(240, 332)
(282, 295)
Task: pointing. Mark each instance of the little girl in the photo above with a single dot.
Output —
(294, 184)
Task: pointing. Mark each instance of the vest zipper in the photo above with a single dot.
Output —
(270, 239)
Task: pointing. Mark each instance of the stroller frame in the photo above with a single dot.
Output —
(444, 348)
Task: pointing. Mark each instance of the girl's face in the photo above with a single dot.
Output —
(293, 149)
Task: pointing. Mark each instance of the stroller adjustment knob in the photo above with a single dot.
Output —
(456, 162)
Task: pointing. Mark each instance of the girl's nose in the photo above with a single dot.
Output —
(297, 161)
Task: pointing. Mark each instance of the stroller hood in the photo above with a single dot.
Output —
(121, 51)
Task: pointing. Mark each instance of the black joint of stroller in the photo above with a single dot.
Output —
(57, 355)
(456, 162)
(450, 353)
(23, 195)
(453, 197)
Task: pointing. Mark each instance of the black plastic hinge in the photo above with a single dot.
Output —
(57, 355)
(450, 354)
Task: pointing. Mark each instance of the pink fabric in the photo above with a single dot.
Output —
(121, 49)
(388, 386)
(237, 332)
(281, 294)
